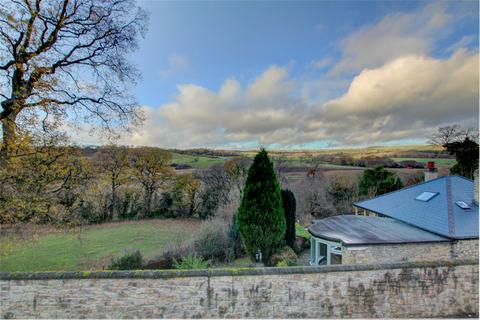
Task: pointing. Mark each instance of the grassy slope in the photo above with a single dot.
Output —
(198, 162)
(95, 246)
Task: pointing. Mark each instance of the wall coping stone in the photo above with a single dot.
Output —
(166, 274)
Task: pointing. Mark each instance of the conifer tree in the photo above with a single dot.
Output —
(289, 206)
(260, 217)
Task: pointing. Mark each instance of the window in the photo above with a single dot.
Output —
(462, 205)
(426, 196)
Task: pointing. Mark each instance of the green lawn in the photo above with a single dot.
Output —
(95, 246)
(198, 162)
(438, 161)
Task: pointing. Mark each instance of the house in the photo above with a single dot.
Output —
(433, 220)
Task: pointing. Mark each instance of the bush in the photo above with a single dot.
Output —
(173, 252)
(287, 263)
(260, 218)
(286, 256)
(165, 207)
(301, 231)
(212, 242)
(191, 262)
(130, 261)
(130, 206)
(209, 203)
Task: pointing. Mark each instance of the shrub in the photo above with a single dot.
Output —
(287, 263)
(209, 203)
(191, 262)
(173, 252)
(130, 206)
(260, 217)
(301, 231)
(129, 261)
(289, 207)
(287, 255)
(165, 207)
(212, 242)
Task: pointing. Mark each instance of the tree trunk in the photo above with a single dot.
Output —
(148, 203)
(8, 136)
(114, 212)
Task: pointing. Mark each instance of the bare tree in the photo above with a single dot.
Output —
(64, 59)
(237, 171)
(455, 133)
(216, 179)
(281, 166)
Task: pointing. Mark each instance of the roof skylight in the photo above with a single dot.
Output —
(426, 196)
(462, 204)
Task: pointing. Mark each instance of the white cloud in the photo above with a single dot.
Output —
(403, 99)
(399, 92)
(394, 36)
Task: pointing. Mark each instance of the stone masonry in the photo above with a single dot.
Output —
(466, 249)
(391, 253)
(426, 289)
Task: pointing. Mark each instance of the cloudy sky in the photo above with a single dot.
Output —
(305, 74)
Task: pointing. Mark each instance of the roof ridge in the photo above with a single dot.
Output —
(451, 218)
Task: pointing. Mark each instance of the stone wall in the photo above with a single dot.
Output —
(466, 249)
(462, 249)
(390, 253)
(427, 289)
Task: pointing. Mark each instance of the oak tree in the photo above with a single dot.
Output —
(67, 59)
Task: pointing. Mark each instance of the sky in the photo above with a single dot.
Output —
(305, 75)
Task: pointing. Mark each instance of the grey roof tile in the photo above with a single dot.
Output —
(439, 215)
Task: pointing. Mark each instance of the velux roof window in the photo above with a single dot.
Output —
(426, 196)
(462, 204)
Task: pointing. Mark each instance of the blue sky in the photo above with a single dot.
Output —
(305, 74)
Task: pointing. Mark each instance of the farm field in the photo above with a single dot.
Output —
(197, 162)
(378, 151)
(438, 161)
(294, 158)
(95, 246)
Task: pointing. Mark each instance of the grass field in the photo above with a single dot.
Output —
(95, 246)
(438, 161)
(198, 162)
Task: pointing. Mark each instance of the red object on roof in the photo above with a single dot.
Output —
(431, 164)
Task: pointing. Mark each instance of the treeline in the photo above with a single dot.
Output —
(371, 161)
(206, 152)
(61, 185)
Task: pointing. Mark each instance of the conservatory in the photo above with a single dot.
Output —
(346, 239)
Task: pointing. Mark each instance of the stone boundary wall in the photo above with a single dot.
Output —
(421, 289)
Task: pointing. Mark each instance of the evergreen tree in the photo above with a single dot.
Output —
(466, 154)
(378, 181)
(289, 207)
(260, 217)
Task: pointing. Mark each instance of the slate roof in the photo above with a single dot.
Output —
(361, 230)
(439, 215)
